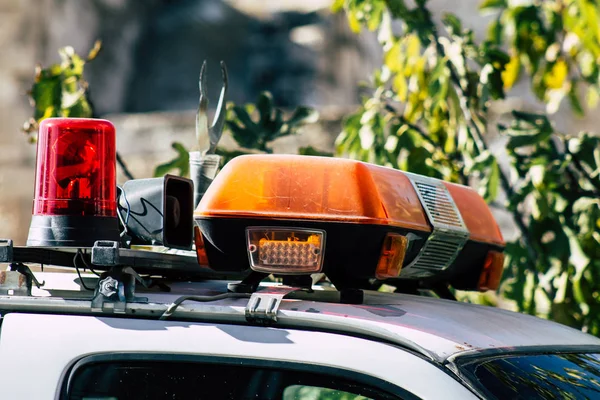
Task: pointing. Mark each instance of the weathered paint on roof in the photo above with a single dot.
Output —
(436, 328)
(445, 328)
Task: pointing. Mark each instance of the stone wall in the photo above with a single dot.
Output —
(20, 34)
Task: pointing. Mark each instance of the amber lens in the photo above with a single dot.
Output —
(392, 256)
(200, 249)
(492, 271)
(285, 251)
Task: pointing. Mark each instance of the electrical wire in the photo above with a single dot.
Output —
(202, 299)
(77, 269)
(125, 221)
(87, 266)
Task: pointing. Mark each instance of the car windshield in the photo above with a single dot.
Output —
(543, 376)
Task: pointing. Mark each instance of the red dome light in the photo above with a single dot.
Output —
(75, 177)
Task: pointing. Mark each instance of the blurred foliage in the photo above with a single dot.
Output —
(426, 112)
(559, 196)
(60, 90)
(180, 163)
(269, 123)
(254, 127)
(301, 392)
(556, 42)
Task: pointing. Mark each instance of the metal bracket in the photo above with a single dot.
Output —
(449, 234)
(117, 287)
(6, 250)
(263, 305)
(105, 252)
(30, 277)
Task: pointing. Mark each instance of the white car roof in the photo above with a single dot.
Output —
(437, 329)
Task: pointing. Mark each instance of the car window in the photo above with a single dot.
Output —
(543, 376)
(304, 392)
(176, 379)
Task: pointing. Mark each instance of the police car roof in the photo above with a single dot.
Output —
(435, 328)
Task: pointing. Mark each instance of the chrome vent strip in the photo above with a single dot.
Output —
(449, 233)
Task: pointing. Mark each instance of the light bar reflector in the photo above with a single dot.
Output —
(491, 275)
(285, 250)
(392, 256)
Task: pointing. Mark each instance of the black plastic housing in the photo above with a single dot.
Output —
(351, 253)
(159, 211)
(71, 231)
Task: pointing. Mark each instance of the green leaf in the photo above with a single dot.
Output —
(511, 72)
(337, 5)
(493, 182)
(367, 136)
(93, 53)
(527, 129)
(181, 162)
(375, 16)
(227, 155)
(303, 115)
(537, 173)
(523, 140)
(551, 237)
(264, 105)
(480, 163)
(574, 99)
(592, 96)
(492, 5)
(494, 33)
(452, 24)
(242, 115)
(311, 151)
(59, 90)
(278, 127)
(556, 76)
(270, 125)
(353, 22)
(397, 8)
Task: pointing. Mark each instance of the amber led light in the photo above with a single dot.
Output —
(285, 251)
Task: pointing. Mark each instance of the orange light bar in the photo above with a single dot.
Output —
(476, 214)
(313, 188)
(352, 202)
(392, 256)
(492, 271)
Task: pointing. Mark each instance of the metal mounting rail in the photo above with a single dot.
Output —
(105, 255)
(286, 319)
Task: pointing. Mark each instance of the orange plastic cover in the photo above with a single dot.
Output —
(333, 189)
(313, 188)
(476, 214)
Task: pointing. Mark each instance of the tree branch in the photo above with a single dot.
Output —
(584, 173)
(461, 172)
(481, 146)
(124, 167)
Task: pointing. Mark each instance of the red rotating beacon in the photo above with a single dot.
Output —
(75, 200)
